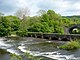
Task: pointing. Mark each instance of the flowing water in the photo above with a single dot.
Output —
(37, 47)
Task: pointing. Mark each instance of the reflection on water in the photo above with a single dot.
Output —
(37, 47)
(4, 56)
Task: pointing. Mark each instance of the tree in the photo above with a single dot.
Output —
(14, 22)
(45, 18)
(22, 29)
(1, 14)
(52, 15)
(41, 12)
(22, 13)
(40, 27)
(4, 26)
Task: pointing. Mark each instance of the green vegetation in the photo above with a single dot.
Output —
(15, 57)
(2, 51)
(29, 57)
(47, 22)
(72, 45)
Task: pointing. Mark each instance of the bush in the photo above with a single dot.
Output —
(22, 33)
(15, 57)
(72, 45)
(31, 57)
(20, 57)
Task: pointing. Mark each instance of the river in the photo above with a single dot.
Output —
(36, 47)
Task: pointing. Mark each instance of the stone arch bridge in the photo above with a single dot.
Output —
(56, 36)
(73, 27)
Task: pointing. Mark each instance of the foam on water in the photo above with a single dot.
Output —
(22, 49)
(52, 55)
(2, 39)
(14, 51)
(3, 45)
(60, 57)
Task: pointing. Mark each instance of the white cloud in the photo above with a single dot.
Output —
(64, 7)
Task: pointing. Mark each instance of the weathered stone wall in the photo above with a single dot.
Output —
(52, 36)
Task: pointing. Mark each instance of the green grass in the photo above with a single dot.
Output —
(72, 45)
(31, 57)
(19, 57)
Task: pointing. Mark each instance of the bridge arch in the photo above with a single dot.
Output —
(73, 28)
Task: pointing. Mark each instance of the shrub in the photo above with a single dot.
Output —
(15, 57)
(70, 45)
(31, 57)
(22, 33)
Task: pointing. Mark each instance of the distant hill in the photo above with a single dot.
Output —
(74, 16)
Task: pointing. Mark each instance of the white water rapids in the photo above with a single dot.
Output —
(21, 49)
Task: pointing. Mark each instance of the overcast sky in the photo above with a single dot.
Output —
(63, 7)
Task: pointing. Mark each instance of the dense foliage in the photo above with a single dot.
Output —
(48, 22)
(72, 45)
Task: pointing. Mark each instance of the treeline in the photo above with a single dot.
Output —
(48, 22)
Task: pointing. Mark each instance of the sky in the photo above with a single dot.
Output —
(63, 7)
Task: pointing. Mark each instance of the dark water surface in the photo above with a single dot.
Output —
(37, 47)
